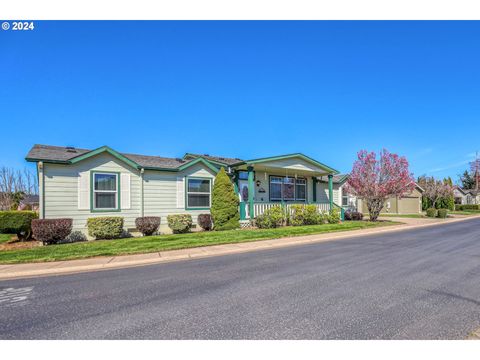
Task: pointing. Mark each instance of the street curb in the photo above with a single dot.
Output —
(21, 271)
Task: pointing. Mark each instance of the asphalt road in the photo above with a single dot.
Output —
(418, 284)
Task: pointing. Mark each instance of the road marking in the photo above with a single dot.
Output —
(16, 296)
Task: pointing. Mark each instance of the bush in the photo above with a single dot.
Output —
(147, 225)
(333, 217)
(305, 215)
(181, 223)
(51, 231)
(467, 207)
(431, 212)
(442, 213)
(271, 218)
(224, 208)
(205, 221)
(75, 236)
(17, 222)
(353, 215)
(106, 227)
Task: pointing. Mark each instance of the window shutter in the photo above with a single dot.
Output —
(181, 192)
(125, 191)
(83, 191)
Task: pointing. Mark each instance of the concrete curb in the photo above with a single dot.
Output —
(17, 271)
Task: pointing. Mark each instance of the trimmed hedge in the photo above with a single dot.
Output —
(51, 231)
(432, 212)
(147, 225)
(353, 215)
(271, 218)
(105, 227)
(17, 222)
(205, 221)
(305, 215)
(442, 213)
(459, 207)
(181, 223)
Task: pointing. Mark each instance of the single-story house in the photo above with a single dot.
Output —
(410, 203)
(460, 195)
(81, 183)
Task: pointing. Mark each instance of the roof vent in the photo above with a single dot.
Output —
(180, 160)
(71, 149)
(206, 155)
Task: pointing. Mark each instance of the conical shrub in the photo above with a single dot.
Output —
(224, 208)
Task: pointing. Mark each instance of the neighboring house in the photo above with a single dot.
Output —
(411, 203)
(81, 183)
(460, 195)
(29, 202)
(473, 197)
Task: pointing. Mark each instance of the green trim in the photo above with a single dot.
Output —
(314, 189)
(251, 190)
(330, 190)
(205, 162)
(288, 156)
(92, 186)
(243, 213)
(305, 201)
(47, 161)
(186, 192)
(107, 150)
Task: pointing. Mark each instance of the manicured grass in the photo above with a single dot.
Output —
(465, 212)
(5, 237)
(412, 216)
(170, 242)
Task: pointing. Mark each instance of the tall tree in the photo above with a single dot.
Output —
(467, 181)
(375, 180)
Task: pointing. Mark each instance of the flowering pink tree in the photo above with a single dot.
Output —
(435, 189)
(375, 180)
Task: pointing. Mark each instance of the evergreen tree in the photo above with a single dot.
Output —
(224, 209)
(467, 180)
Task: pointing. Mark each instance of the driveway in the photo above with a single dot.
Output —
(416, 284)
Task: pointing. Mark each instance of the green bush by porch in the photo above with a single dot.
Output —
(170, 242)
(224, 208)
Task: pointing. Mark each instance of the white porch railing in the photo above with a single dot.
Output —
(259, 208)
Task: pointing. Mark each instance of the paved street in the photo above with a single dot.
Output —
(416, 284)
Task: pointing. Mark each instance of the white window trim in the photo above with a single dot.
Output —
(294, 187)
(94, 205)
(198, 193)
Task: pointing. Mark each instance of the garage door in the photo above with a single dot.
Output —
(409, 205)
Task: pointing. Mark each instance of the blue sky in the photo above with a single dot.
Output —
(246, 89)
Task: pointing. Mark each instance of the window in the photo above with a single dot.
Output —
(301, 189)
(105, 191)
(287, 189)
(344, 199)
(243, 175)
(198, 193)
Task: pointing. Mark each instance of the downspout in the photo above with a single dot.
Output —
(142, 202)
(314, 190)
(251, 192)
(41, 190)
(330, 190)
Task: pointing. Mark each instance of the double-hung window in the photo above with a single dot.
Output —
(198, 193)
(105, 191)
(287, 189)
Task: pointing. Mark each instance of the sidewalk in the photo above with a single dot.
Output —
(14, 271)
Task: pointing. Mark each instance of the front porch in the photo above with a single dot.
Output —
(284, 180)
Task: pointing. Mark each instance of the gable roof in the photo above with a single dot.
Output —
(337, 179)
(289, 156)
(217, 159)
(70, 155)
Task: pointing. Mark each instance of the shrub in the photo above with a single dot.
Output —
(431, 212)
(205, 221)
(224, 208)
(442, 213)
(353, 215)
(17, 222)
(271, 218)
(75, 236)
(106, 227)
(304, 215)
(181, 223)
(333, 217)
(51, 231)
(467, 207)
(147, 225)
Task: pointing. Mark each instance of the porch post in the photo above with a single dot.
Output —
(330, 190)
(251, 191)
(314, 190)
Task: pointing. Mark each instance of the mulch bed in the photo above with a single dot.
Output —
(14, 244)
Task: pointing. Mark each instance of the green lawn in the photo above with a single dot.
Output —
(465, 212)
(412, 216)
(170, 242)
(5, 237)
